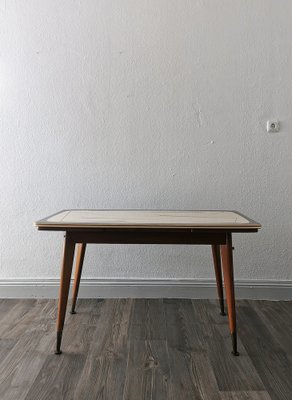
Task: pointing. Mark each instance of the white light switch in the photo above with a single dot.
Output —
(273, 126)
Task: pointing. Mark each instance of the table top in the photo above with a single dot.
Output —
(151, 219)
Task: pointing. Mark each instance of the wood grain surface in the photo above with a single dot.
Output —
(164, 349)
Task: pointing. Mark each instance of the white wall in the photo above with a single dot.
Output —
(145, 104)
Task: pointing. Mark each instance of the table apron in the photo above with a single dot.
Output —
(148, 237)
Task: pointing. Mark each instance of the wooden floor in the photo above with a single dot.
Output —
(145, 349)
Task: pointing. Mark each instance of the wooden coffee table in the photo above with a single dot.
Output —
(213, 228)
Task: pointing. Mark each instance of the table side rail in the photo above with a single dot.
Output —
(147, 237)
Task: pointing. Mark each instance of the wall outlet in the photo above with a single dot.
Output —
(273, 126)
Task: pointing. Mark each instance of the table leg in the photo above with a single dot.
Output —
(218, 273)
(227, 262)
(68, 257)
(78, 271)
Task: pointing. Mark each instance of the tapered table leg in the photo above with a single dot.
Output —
(68, 257)
(227, 261)
(78, 271)
(218, 273)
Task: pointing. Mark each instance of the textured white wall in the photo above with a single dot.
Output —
(145, 104)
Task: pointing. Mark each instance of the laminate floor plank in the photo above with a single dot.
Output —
(164, 349)
(232, 373)
(274, 319)
(27, 319)
(251, 395)
(180, 346)
(194, 331)
(270, 360)
(203, 376)
(148, 373)
(58, 377)
(183, 332)
(105, 367)
(148, 320)
(5, 306)
(6, 345)
(181, 384)
(23, 363)
(197, 320)
(12, 317)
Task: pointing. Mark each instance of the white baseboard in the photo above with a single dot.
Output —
(146, 288)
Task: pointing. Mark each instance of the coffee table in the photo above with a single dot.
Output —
(204, 227)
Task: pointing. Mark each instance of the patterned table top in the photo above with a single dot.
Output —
(211, 219)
